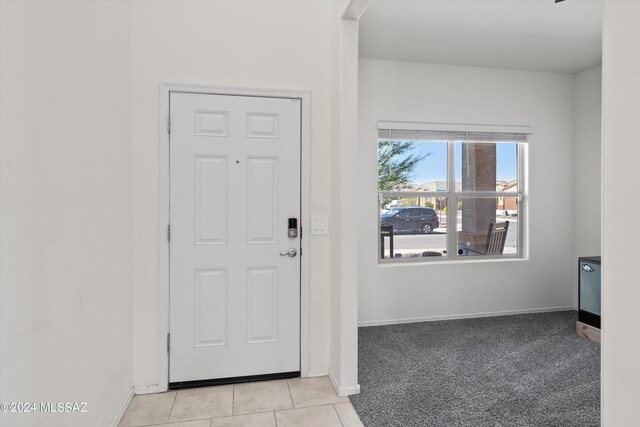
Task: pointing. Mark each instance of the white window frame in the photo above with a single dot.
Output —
(452, 196)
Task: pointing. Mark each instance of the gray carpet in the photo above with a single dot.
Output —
(524, 370)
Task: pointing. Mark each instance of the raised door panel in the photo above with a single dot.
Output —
(211, 199)
(211, 123)
(262, 199)
(263, 125)
(262, 304)
(210, 298)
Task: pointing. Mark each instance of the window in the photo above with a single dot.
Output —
(450, 193)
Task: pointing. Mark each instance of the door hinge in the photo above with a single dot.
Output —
(169, 233)
(168, 342)
(169, 124)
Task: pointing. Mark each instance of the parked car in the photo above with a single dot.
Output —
(395, 203)
(411, 219)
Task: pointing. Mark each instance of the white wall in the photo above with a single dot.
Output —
(275, 44)
(620, 215)
(403, 91)
(344, 204)
(65, 215)
(587, 130)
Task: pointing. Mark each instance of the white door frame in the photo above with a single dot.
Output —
(163, 209)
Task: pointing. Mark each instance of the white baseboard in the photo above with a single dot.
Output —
(333, 380)
(348, 391)
(123, 409)
(343, 391)
(318, 373)
(146, 389)
(461, 316)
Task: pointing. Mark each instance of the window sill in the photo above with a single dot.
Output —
(389, 263)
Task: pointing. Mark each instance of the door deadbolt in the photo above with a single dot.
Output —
(292, 232)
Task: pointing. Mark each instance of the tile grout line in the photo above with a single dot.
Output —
(175, 397)
(336, 411)
(310, 407)
(191, 420)
(293, 406)
(247, 413)
(275, 419)
(233, 400)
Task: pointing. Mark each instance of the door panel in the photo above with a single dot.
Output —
(210, 320)
(403, 221)
(234, 182)
(211, 202)
(262, 304)
(262, 199)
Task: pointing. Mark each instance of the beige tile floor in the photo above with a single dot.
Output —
(299, 402)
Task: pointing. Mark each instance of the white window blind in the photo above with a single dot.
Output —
(452, 132)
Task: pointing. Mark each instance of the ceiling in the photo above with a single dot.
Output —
(536, 35)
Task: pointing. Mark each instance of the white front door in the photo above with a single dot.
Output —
(234, 184)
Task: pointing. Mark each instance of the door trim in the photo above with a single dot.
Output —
(166, 88)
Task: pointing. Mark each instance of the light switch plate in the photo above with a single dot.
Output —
(319, 225)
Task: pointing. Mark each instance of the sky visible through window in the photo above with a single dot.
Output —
(434, 166)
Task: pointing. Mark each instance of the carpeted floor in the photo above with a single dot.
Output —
(524, 370)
